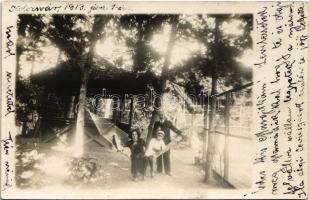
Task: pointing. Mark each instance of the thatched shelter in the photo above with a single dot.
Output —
(61, 89)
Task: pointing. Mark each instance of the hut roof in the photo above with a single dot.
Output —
(65, 78)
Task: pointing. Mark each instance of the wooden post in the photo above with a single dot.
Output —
(227, 133)
(206, 106)
(131, 113)
(117, 110)
(37, 128)
(70, 112)
(43, 112)
(192, 127)
(123, 109)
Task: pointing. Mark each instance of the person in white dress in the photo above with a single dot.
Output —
(156, 145)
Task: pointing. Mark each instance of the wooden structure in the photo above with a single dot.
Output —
(233, 142)
(59, 103)
(232, 134)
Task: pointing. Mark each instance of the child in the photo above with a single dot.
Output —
(156, 146)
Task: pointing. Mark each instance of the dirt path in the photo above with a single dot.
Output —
(186, 180)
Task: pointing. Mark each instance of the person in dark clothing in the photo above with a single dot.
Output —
(165, 126)
(138, 147)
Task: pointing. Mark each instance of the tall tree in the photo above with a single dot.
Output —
(30, 29)
(144, 26)
(144, 56)
(98, 25)
(217, 62)
(164, 73)
(214, 85)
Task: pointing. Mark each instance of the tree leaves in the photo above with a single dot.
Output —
(229, 47)
(72, 34)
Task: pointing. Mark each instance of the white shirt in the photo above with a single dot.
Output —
(154, 144)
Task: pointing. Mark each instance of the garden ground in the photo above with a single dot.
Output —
(186, 180)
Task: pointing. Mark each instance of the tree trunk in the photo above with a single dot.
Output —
(211, 134)
(80, 123)
(211, 131)
(150, 127)
(167, 57)
(164, 75)
(99, 23)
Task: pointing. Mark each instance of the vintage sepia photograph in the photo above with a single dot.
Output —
(154, 100)
(134, 101)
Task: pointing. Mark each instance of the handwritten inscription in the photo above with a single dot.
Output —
(288, 64)
(295, 189)
(7, 146)
(262, 27)
(9, 43)
(261, 183)
(9, 95)
(78, 6)
(281, 29)
(300, 126)
(114, 7)
(288, 126)
(26, 8)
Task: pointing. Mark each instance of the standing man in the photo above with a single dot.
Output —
(165, 126)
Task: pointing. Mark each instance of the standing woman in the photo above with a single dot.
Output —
(138, 147)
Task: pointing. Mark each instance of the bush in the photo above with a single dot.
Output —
(85, 170)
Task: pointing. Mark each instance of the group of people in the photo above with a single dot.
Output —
(143, 155)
